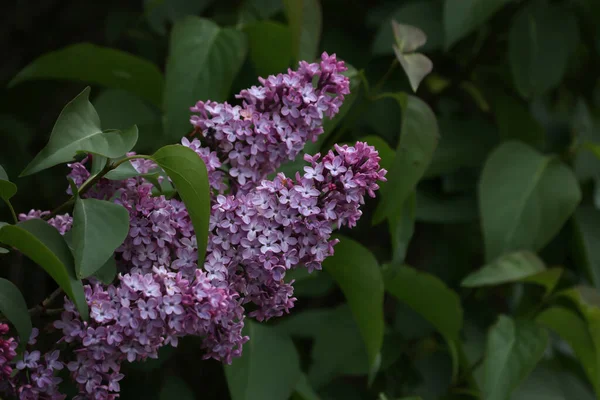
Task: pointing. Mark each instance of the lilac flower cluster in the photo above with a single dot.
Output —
(281, 224)
(33, 376)
(133, 318)
(275, 120)
(7, 354)
(259, 230)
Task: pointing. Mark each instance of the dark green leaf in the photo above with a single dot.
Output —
(357, 273)
(14, 308)
(519, 204)
(304, 18)
(338, 347)
(547, 382)
(514, 119)
(188, 173)
(513, 350)
(161, 12)
(107, 272)
(510, 267)
(44, 245)
(418, 140)
(119, 109)
(270, 47)
(541, 40)
(304, 391)
(402, 224)
(175, 388)
(463, 143)
(434, 208)
(573, 329)
(586, 226)
(465, 16)
(425, 15)
(77, 129)
(7, 188)
(587, 300)
(99, 227)
(269, 367)
(100, 65)
(428, 296)
(203, 61)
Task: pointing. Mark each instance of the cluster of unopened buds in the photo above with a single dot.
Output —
(259, 230)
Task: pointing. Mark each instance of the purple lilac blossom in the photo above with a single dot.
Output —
(259, 230)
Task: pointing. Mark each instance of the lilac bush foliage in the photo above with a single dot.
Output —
(259, 230)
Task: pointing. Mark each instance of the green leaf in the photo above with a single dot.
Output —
(514, 119)
(99, 227)
(270, 46)
(418, 141)
(357, 273)
(269, 367)
(162, 12)
(175, 388)
(434, 208)
(519, 204)
(513, 350)
(304, 391)
(305, 19)
(465, 16)
(549, 382)
(107, 272)
(127, 170)
(510, 267)
(7, 188)
(402, 225)
(538, 52)
(14, 308)
(77, 129)
(188, 173)
(587, 300)
(99, 65)
(44, 245)
(586, 236)
(428, 296)
(465, 143)
(425, 15)
(573, 329)
(119, 109)
(202, 63)
(338, 346)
